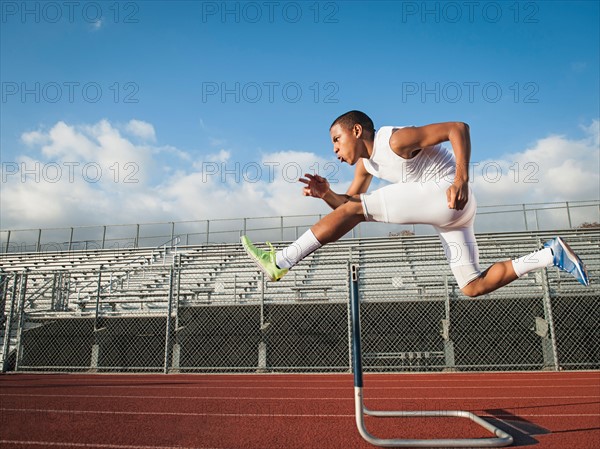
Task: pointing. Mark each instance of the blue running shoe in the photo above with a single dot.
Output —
(566, 259)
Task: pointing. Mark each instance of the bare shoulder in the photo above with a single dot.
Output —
(403, 141)
(406, 140)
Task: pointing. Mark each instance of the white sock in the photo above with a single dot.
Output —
(537, 259)
(291, 255)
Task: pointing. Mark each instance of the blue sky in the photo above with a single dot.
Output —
(179, 88)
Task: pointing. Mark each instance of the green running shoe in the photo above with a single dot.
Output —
(265, 260)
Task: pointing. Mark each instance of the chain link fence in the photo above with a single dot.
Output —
(206, 309)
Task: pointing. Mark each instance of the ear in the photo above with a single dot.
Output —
(357, 130)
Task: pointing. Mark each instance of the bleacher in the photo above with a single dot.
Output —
(394, 268)
(142, 283)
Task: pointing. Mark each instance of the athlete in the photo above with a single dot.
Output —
(429, 185)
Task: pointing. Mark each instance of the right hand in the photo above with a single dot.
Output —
(316, 186)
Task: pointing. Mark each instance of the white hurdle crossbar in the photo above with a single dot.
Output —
(501, 438)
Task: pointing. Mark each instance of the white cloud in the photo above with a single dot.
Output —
(283, 190)
(554, 168)
(593, 131)
(64, 141)
(141, 129)
(92, 174)
(34, 138)
(221, 156)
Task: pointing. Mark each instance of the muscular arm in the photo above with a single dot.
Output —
(406, 140)
(360, 184)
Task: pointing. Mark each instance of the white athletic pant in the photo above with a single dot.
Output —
(426, 203)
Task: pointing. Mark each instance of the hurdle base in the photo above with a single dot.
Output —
(502, 438)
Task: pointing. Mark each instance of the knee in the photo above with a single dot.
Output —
(353, 206)
(472, 289)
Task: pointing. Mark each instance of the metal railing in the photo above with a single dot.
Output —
(497, 218)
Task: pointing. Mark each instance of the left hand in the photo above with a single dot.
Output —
(458, 195)
(316, 186)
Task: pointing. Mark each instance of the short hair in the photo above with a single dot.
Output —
(351, 118)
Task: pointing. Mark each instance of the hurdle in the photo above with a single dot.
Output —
(501, 438)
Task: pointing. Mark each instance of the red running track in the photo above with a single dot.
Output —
(544, 410)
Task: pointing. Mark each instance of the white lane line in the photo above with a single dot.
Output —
(285, 398)
(194, 414)
(350, 385)
(261, 415)
(96, 445)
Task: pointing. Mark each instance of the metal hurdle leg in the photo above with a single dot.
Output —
(502, 438)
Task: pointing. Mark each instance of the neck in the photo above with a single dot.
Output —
(369, 143)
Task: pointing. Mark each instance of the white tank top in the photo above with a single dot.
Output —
(431, 163)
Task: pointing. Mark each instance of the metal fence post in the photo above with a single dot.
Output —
(349, 310)
(39, 242)
(95, 356)
(168, 323)
(525, 216)
(7, 242)
(446, 323)
(176, 351)
(262, 345)
(549, 347)
(21, 313)
(8, 325)
(349, 318)
(98, 290)
(3, 294)
(569, 215)
(71, 239)
(136, 242)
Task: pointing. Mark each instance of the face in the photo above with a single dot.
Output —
(346, 143)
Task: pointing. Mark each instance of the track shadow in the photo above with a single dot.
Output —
(570, 404)
(588, 429)
(522, 430)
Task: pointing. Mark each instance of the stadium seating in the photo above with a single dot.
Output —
(148, 282)
(398, 267)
